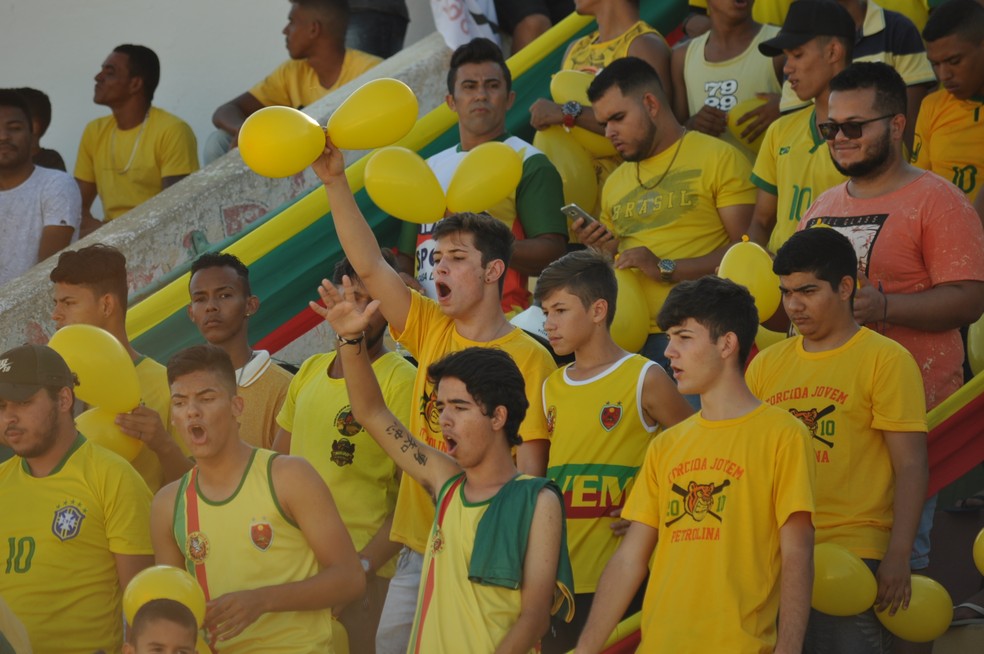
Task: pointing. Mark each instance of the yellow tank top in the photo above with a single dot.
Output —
(451, 610)
(247, 542)
(590, 55)
(598, 441)
(724, 84)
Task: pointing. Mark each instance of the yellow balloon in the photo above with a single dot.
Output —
(280, 141)
(748, 264)
(107, 377)
(979, 552)
(99, 426)
(573, 85)
(487, 175)
(164, 582)
(573, 163)
(379, 113)
(929, 614)
(201, 647)
(403, 185)
(339, 637)
(630, 327)
(766, 337)
(737, 112)
(975, 346)
(842, 584)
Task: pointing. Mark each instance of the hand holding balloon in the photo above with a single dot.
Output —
(330, 164)
(894, 588)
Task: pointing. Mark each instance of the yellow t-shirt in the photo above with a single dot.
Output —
(847, 397)
(679, 218)
(262, 401)
(950, 140)
(295, 84)
(451, 609)
(127, 165)
(155, 394)
(718, 492)
(61, 533)
(598, 439)
(361, 476)
(793, 164)
(429, 336)
(724, 84)
(590, 55)
(248, 542)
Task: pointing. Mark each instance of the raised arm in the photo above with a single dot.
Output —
(359, 242)
(431, 468)
(539, 577)
(306, 500)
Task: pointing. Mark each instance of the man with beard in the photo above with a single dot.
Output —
(679, 201)
(316, 423)
(76, 517)
(919, 242)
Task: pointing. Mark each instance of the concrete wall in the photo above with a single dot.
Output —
(208, 206)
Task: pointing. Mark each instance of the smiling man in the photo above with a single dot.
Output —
(75, 516)
(679, 201)
(726, 494)
(949, 130)
(480, 92)
(259, 531)
(137, 151)
(221, 306)
(871, 427)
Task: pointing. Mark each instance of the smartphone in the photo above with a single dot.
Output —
(574, 212)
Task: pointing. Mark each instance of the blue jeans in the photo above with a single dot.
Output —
(396, 621)
(919, 559)
(855, 634)
(376, 32)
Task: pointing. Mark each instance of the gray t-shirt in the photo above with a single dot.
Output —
(47, 198)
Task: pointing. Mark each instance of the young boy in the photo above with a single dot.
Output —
(163, 626)
(497, 541)
(602, 411)
(725, 498)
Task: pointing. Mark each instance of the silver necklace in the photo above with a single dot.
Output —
(133, 151)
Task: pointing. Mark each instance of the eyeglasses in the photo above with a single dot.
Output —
(850, 128)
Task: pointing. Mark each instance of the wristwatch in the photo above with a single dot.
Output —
(666, 269)
(571, 111)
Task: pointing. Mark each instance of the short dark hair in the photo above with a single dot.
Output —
(477, 51)
(223, 260)
(14, 98)
(492, 378)
(163, 609)
(100, 267)
(492, 237)
(825, 252)
(39, 105)
(203, 358)
(630, 75)
(143, 63)
(344, 267)
(965, 18)
(334, 15)
(582, 273)
(720, 305)
(890, 89)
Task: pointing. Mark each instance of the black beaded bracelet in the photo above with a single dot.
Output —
(342, 341)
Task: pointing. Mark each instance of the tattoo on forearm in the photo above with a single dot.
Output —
(407, 443)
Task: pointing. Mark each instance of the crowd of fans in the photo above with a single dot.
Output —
(474, 496)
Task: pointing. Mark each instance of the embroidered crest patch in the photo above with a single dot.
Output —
(67, 521)
(610, 415)
(197, 547)
(261, 533)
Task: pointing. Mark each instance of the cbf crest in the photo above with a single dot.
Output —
(67, 521)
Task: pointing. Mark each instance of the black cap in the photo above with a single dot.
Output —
(806, 20)
(27, 369)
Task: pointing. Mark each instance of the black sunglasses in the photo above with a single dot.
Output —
(850, 128)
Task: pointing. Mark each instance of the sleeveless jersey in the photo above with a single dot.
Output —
(724, 84)
(598, 441)
(248, 542)
(591, 55)
(451, 610)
